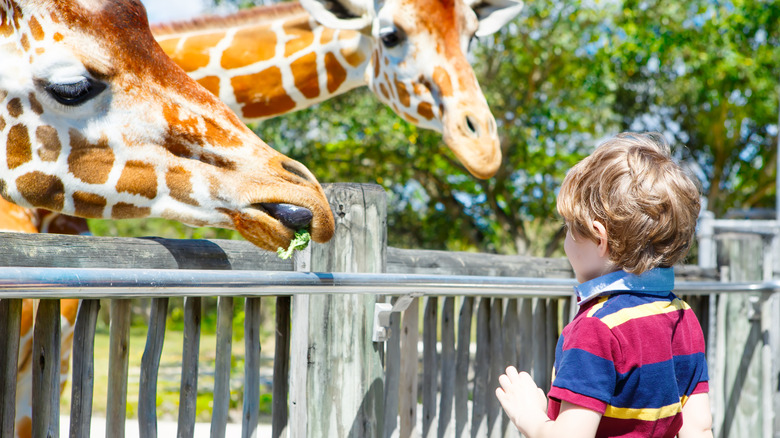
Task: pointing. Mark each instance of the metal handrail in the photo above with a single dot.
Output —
(27, 282)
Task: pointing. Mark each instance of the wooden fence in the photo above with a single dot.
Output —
(330, 377)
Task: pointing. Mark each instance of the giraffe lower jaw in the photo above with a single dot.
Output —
(291, 216)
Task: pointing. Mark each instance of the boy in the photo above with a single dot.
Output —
(631, 363)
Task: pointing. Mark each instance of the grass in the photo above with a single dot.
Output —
(169, 377)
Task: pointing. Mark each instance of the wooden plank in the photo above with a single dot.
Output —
(462, 368)
(497, 365)
(479, 420)
(299, 352)
(251, 368)
(392, 374)
(281, 367)
(448, 363)
(52, 250)
(742, 368)
(10, 326)
(219, 413)
(83, 369)
(188, 393)
(417, 261)
(510, 328)
(119, 350)
(525, 340)
(407, 394)
(540, 367)
(345, 376)
(150, 365)
(551, 337)
(430, 368)
(46, 370)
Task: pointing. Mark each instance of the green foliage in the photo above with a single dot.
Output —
(707, 74)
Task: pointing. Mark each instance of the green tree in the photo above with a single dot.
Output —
(706, 73)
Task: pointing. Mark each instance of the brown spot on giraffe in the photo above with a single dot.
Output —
(275, 99)
(5, 25)
(25, 42)
(383, 90)
(197, 53)
(302, 35)
(336, 72)
(58, 37)
(307, 84)
(403, 93)
(35, 105)
(425, 109)
(35, 29)
(89, 204)
(24, 427)
(15, 108)
(68, 309)
(49, 141)
(42, 190)
(2, 123)
(375, 63)
(214, 129)
(138, 178)
(442, 79)
(353, 58)
(18, 147)
(245, 51)
(327, 35)
(124, 210)
(179, 181)
(89, 162)
(210, 83)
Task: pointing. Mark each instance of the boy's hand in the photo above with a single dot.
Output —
(524, 402)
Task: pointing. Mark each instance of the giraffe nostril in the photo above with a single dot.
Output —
(298, 170)
(471, 126)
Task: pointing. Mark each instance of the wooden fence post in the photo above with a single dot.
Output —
(343, 370)
(739, 371)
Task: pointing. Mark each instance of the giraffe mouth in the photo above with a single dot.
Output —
(291, 216)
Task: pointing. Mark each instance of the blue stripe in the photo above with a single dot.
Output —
(693, 366)
(649, 386)
(576, 363)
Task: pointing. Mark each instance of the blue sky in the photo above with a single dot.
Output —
(167, 10)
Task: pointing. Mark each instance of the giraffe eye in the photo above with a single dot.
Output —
(74, 93)
(391, 37)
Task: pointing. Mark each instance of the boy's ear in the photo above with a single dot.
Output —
(601, 231)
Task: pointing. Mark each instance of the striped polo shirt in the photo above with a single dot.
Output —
(634, 353)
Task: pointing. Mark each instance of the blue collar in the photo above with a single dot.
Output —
(657, 281)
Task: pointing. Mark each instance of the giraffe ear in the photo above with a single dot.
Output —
(494, 14)
(340, 14)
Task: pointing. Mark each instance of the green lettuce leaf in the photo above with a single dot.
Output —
(299, 242)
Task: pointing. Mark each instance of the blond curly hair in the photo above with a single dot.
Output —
(647, 203)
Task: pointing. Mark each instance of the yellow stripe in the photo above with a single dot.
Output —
(597, 306)
(646, 414)
(655, 308)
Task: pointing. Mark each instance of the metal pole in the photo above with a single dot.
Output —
(25, 282)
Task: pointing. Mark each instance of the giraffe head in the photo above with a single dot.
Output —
(96, 121)
(419, 66)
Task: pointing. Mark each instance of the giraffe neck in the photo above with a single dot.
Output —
(268, 61)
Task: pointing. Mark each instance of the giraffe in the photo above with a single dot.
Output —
(276, 59)
(96, 121)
